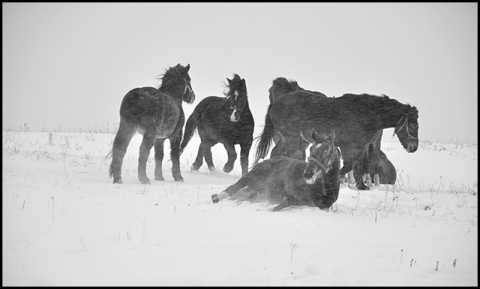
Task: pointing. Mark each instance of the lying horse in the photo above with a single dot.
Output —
(288, 182)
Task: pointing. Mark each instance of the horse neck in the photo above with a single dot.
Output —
(391, 115)
(172, 92)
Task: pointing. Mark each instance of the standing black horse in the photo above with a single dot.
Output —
(291, 182)
(355, 118)
(227, 120)
(157, 114)
(280, 86)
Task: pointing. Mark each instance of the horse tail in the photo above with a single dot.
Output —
(264, 140)
(190, 128)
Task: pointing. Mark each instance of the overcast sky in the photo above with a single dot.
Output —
(70, 64)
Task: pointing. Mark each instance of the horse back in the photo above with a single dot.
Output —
(301, 111)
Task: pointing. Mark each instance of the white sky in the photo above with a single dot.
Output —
(70, 64)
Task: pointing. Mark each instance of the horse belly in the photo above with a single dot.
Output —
(166, 126)
(162, 124)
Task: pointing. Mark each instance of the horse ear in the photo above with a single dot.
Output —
(188, 67)
(229, 81)
(331, 137)
(308, 140)
(315, 136)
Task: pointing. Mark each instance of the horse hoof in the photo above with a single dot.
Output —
(277, 209)
(194, 168)
(212, 170)
(159, 178)
(117, 181)
(145, 182)
(363, 188)
(227, 169)
(180, 179)
(215, 198)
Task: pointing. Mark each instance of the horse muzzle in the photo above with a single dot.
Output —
(312, 176)
(411, 148)
(411, 145)
(191, 95)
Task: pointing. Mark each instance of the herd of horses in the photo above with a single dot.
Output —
(348, 128)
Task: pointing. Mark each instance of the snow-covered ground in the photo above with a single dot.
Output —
(65, 223)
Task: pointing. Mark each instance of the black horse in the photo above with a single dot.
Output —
(287, 182)
(156, 113)
(355, 118)
(227, 120)
(280, 86)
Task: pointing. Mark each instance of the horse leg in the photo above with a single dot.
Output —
(347, 167)
(358, 173)
(244, 152)
(175, 140)
(245, 194)
(199, 160)
(207, 154)
(242, 183)
(377, 145)
(287, 202)
(368, 180)
(145, 147)
(124, 135)
(232, 156)
(376, 160)
(159, 159)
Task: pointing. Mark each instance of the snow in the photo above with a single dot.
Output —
(65, 223)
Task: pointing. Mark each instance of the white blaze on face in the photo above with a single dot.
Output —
(232, 116)
(315, 176)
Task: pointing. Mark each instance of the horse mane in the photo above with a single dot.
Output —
(167, 71)
(235, 80)
(291, 84)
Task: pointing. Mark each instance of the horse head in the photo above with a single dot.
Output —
(322, 156)
(237, 96)
(178, 80)
(407, 129)
(281, 86)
